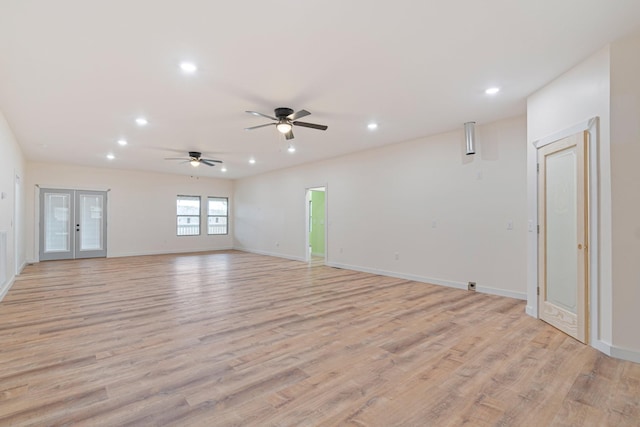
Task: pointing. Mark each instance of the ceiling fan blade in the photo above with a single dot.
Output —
(311, 125)
(255, 113)
(297, 115)
(289, 135)
(206, 162)
(176, 158)
(211, 160)
(260, 126)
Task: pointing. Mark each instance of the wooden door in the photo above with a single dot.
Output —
(563, 260)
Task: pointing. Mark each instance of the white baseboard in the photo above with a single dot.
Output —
(273, 254)
(502, 293)
(625, 354)
(5, 288)
(181, 251)
(617, 352)
(531, 311)
(431, 280)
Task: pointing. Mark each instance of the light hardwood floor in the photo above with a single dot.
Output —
(230, 338)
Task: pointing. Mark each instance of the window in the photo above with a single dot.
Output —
(217, 215)
(188, 212)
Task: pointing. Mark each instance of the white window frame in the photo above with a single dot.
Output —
(226, 216)
(178, 216)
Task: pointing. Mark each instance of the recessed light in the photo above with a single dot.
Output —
(188, 67)
(372, 126)
(122, 142)
(141, 121)
(252, 160)
(492, 90)
(223, 169)
(291, 148)
(110, 156)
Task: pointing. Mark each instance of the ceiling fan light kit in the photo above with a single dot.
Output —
(285, 119)
(283, 127)
(195, 158)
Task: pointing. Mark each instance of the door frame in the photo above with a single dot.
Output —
(592, 126)
(307, 199)
(36, 213)
(18, 224)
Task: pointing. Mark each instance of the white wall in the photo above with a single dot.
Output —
(625, 179)
(12, 165)
(385, 201)
(576, 96)
(141, 207)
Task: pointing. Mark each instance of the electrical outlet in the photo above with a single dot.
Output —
(471, 286)
(397, 256)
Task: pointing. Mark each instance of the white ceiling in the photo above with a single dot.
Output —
(74, 74)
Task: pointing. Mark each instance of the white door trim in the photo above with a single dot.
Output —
(307, 198)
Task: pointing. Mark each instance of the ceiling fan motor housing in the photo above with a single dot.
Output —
(283, 112)
(195, 154)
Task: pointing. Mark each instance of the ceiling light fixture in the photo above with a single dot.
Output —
(188, 67)
(195, 163)
(141, 121)
(110, 156)
(492, 90)
(252, 160)
(372, 126)
(291, 148)
(284, 127)
(122, 142)
(224, 169)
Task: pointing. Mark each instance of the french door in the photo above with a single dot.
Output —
(73, 224)
(563, 260)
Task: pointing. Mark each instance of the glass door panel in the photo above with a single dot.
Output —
(90, 224)
(72, 224)
(56, 231)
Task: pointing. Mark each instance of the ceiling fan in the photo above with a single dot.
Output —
(195, 158)
(285, 119)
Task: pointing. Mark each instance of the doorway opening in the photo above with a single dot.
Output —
(316, 221)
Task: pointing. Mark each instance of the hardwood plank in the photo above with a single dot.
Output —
(232, 338)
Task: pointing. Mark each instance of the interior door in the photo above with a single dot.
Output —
(563, 259)
(72, 224)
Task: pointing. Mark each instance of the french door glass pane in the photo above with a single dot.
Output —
(90, 222)
(562, 229)
(57, 222)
